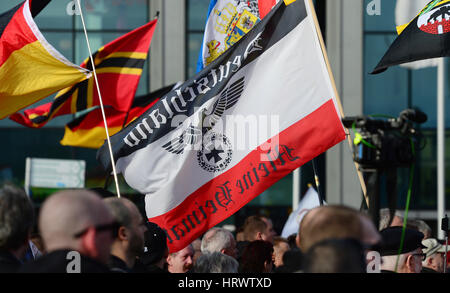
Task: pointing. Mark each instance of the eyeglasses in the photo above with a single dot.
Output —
(423, 256)
(113, 227)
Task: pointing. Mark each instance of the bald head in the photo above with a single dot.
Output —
(69, 212)
(335, 222)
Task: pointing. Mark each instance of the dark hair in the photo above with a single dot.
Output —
(292, 261)
(16, 217)
(254, 256)
(292, 241)
(336, 256)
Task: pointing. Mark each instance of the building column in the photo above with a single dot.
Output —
(345, 50)
(167, 52)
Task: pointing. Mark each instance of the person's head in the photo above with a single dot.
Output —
(257, 257)
(196, 245)
(240, 234)
(293, 260)
(385, 219)
(280, 246)
(129, 242)
(335, 222)
(420, 226)
(256, 228)
(219, 240)
(181, 261)
(270, 231)
(16, 218)
(335, 256)
(411, 256)
(216, 262)
(78, 220)
(155, 250)
(435, 255)
(292, 241)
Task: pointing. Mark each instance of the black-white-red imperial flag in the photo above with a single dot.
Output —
(262, 109)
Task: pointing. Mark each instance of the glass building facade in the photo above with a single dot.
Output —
(397, 89)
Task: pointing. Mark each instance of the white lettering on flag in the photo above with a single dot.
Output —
(196, 173)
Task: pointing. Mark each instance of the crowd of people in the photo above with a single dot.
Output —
(84, 231)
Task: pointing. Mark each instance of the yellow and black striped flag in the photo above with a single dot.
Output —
(30, 68)
(119, 66)
(88, 130)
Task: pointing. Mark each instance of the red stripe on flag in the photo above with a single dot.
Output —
(16, 35)
(265, 6)
(227, 193)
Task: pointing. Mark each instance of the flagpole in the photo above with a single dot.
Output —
(101, 101)
(316, 179)
(441, 144)
(338, 100)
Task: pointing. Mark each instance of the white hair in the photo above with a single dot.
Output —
(385, 217)
(216, 239)
(388, 262)
(216, 262)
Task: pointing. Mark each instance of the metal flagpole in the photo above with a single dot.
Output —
(101, 100)
(441, 144)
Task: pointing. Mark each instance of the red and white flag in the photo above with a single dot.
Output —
(261, 110)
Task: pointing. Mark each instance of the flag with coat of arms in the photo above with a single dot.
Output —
(262, 109)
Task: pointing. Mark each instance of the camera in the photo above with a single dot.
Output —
(386, 143)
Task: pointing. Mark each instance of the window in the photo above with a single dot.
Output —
(397, 89)
(196, 13)
(105, 21)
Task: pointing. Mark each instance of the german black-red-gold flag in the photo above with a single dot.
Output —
(88, 131)
(30, 68)
(119, 66)
(427, 36)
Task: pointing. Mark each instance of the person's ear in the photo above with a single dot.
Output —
(297, 240)
(88, 243)
(410, 263)
(122, 233)
(169, 259)
(259, 236)
(429, 261)
(267, 266)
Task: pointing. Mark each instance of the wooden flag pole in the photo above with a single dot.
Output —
(338, 100)
(101, 101)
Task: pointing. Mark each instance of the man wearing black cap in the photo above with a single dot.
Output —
(411, 256)
(153, 259)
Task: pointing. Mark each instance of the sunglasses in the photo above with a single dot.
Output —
(112, 227)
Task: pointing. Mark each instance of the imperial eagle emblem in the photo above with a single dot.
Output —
(193, 134)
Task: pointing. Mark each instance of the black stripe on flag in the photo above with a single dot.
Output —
(55, 105)
(6, 17)
(413, 44)
(82, 95)
(144, 100)
(275, 26)
(37, 6)
(122, 62)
